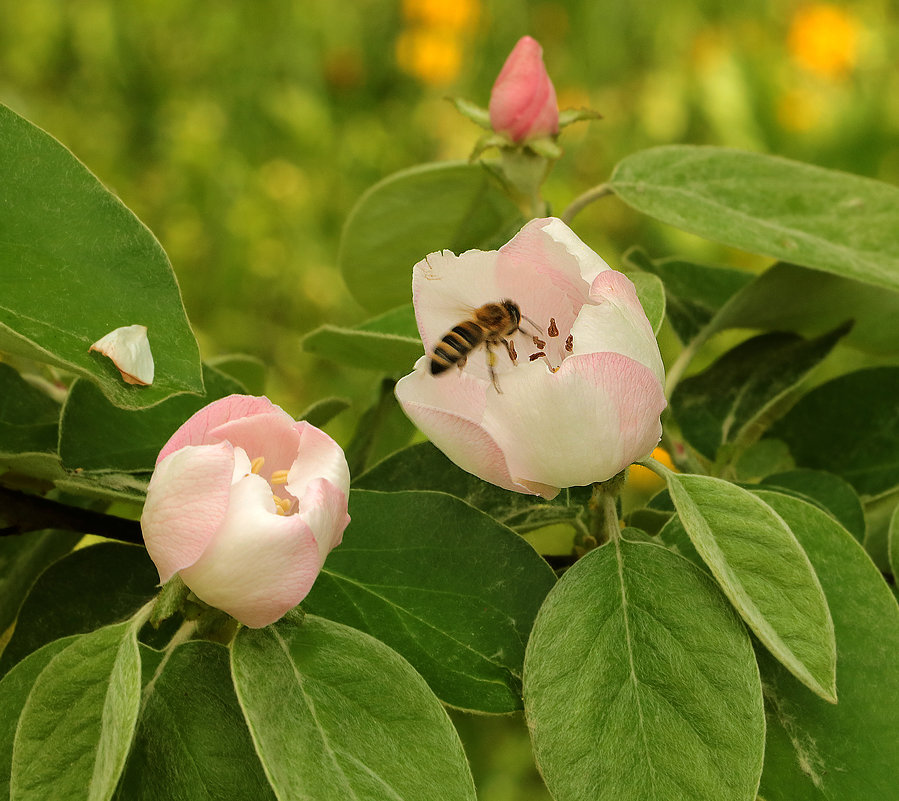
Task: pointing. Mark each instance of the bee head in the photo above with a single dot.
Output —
(512, 308)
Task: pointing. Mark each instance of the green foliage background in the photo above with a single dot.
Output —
(243, 133)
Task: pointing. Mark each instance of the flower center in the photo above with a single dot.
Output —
(550, 349)
(278, 478)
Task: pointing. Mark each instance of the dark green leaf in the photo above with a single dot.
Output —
(651, 293)
(452, 205)
(423, 467)
(832, 221)
(828, 492)
(827, 300)
(443, 584)
(89, 588)
(640, 683)
(893, 543)
(78, 264)
(693, 292)
(849, 426)
(731, 402)
(248, 371)
(22, 559)
(763, 571)
(76, 726)
(324, 411)
(336, 714)
(849, 752)
(29, 418)
(14, 690)
(192, 741)
(95, 435)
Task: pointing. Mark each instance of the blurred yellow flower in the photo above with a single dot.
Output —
(824, 39)
(432, 56)
(643, 479)
(455, 15)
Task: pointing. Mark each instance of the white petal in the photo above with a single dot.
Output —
(129, 349)
(590, 263)
(446, 288)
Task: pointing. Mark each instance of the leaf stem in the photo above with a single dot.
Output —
(604, 525)
(582, 201)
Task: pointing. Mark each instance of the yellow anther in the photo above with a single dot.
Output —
(279, 477)
(256, 464)
(282, 505)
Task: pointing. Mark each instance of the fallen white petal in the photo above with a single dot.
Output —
(129, 349)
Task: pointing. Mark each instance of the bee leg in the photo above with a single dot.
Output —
(510, 349)
(491, 362)
(461, 363)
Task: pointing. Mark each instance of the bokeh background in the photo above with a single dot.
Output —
(243, 133)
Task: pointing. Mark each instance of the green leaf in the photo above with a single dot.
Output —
(764, 572)
(828, 492)
(22, 559)
(29, 418)
(832, 221)
(571, 115)
(399, 221)
(849, 426)
(640, 683)
(849, 752)
(89, 588)
(734, 400)
(893, 542)
(769, 302)
(192, 741)
(693, 292)
(14, 690)
(443, 584)
(336, 714)
(423, 467)
(246, 370)
(325, 410)
(95, 435)
(78, 264)
(366, 349)
(651, 293)
(76, 726)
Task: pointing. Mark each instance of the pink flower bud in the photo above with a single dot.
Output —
(582, 398)
(523, 101)
(245, 504)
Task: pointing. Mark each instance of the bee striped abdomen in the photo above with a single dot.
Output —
(456, 345)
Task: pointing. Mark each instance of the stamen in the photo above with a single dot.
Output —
(513, 354)
(539, 343)
(282, 505)
(553, 331)
(534, 356)
(569, 343)
(279, 477)
(256, 464)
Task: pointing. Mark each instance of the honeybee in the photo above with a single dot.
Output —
(488, 325)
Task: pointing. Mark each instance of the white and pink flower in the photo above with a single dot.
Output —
(245, 504)
(583, 400)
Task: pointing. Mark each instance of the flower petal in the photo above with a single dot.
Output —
(271, 435)
(317, 456)
(324, 509)
(616, 322)
(196, 429)
(446, 288)
(448, 409)
(582, 424)
(129, 349)
(259, 564)
(186, 503)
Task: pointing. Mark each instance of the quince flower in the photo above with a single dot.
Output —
(523, 101)
(583, 399)
(245, 504)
